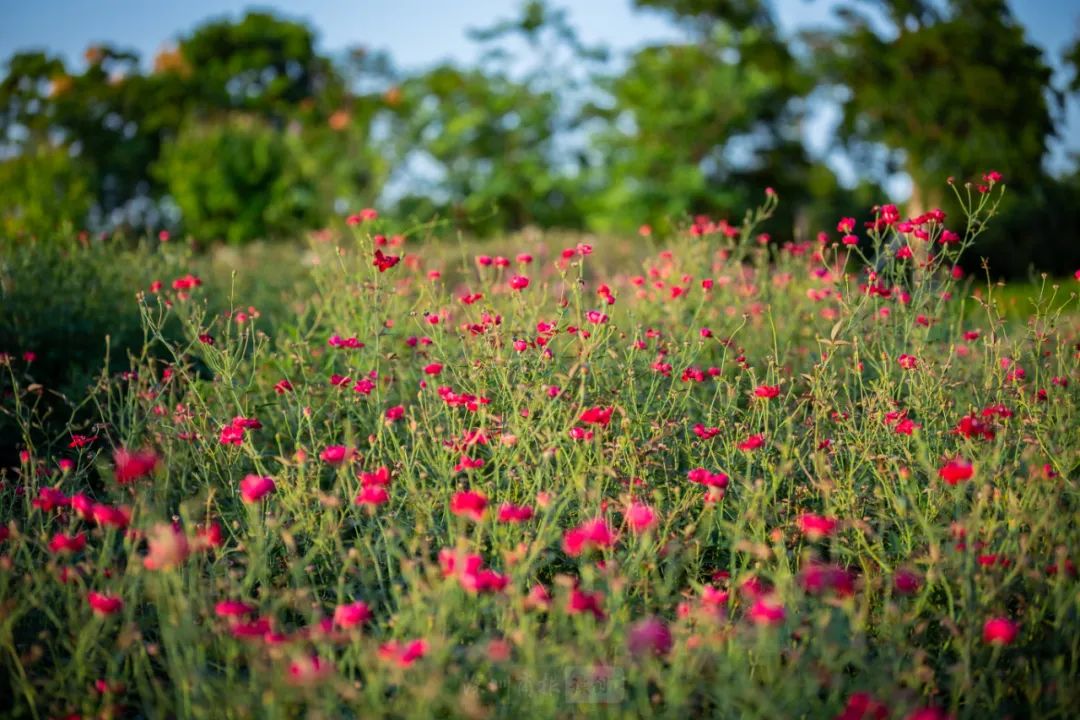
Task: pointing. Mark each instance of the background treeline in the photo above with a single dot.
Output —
(245, 130)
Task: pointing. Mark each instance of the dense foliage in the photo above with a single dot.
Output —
(714, 477)
(246, 129)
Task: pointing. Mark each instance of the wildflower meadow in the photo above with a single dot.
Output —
(703, 475)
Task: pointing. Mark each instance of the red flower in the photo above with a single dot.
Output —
(1000, 631)
(640, 517)
(373, 495)
(752, 443)
(906, 582)
(395, 413)
(385, 262)
(336, 454)
(519, 282)
(168, 547)
(352, 615)
(955, 471)
(816, 526)
(862, 706)
(766, 391)
(908, 362)
(403, 654)
(134, 464)
(581, 602)
(233, 608)
(510, 513)
(766, 611)
(104, 605)
(468, 503)
(649, 636)
(67, 543)
(597, 416)
(308, 670)
(592, 534)
(704, 477)
(433, 368)
(254, 488)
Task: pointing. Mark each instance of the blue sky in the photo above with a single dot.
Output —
(422, 32)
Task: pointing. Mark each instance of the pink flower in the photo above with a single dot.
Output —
(309, 670)
(863, 706)
(908, 362)
(395, 413)
(597, 416)
(510, 513)
(168, 547)
(649, 636)
(468, 503)
(403, 654)
(352, 615)
(1000, 631)
(104, 605)
(335, 454)
(752, 443)
(373, 495)
(766, 611)
(701, 476)
(955, 471)
(433, 368)
(519, 282)
(766, 391)
(592, 534)
(254, 488)
(233, 609)
(582, 602)
(640, 517)
(815, 526)
(134, 464)
(67, 543)
(906, 582)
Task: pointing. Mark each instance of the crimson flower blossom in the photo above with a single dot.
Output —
(1000, 631)
(468, 503)
(168, 547)
(384, 262)
(815, 526)
(254, 488)
(766, 611)
(104, 605)
(510, 513)
(907, 362)
(403, 654)
(67, 543)
(863, 706)
(336, 454)
(752, 443)
(649, 636)
(134, 464)
(591, 534)
(352, 615)
(766, 392)
(308, 670)
(395, 413)
(433, 368)
(582, 602)
(956, 471)
(233, 609)
(701, 476)
(373, 495)
(597, 415)
(640, 517)
(519, 282)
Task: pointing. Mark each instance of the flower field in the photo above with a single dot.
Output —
(705, 475)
